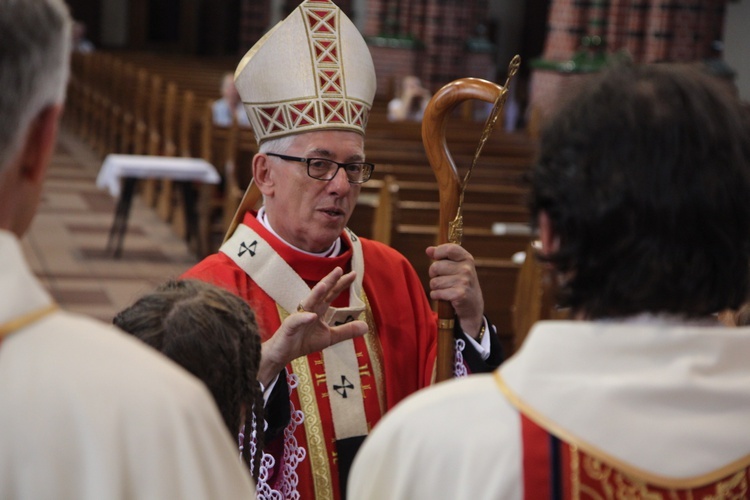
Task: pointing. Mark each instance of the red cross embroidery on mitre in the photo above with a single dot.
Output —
(329, 82)
(357, 114)
(272, 119)
(303, 114)
(321, 21)
(326, 52)
(333, 111)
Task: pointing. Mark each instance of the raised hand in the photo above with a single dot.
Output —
(305, 331)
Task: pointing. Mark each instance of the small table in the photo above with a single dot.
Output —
(120, 169)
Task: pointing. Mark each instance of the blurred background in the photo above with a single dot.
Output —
(441, 40)
(147, 75)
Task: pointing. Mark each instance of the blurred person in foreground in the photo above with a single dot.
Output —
(308, 86)
(86, 412)
(641, 193)
(211, 333)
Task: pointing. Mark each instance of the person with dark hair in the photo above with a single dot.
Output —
(86, 412)
(211, 333)
(641, 192)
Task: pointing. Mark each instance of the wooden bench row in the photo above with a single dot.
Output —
(463, 143)
(202, 76)
(123, 108)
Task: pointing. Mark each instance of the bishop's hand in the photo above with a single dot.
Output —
(304, 330)
(453, 277)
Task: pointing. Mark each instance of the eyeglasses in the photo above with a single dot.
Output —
(325, 170)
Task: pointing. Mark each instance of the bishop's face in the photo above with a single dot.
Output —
(309, 213)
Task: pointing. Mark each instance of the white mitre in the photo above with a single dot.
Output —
(312, 71)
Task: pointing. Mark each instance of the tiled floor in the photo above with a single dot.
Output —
(66, 245)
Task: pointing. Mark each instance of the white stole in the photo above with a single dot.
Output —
(276, 277)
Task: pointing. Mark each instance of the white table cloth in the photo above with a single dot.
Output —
(117, 166)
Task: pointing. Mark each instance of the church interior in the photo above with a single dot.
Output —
(145, 82)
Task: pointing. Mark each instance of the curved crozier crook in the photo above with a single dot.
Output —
(433, 136)
(449, 185)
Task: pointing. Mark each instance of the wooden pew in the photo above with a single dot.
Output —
(497, 276)
(534, 296)
(508, 171)
(200, 75)
(373, 217)
(143, 126)
(230, 150)
(411, 240)
(403, 156)
(498, 279)
(475, 214)
(163, 141)
(387, 206)
(475, 193)
(465, 146)
(458, 128)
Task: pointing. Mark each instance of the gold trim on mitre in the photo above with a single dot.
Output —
(289, 90)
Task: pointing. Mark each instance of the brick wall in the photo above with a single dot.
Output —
(374, 15)
(649, 30)
(480, 65)
(441, 28)
(255, 17)
(448, 27)
(566, 25)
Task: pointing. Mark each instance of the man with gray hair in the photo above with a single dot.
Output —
(308, 86)
(86, 412)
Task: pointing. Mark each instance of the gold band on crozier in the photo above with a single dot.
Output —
(446, 324)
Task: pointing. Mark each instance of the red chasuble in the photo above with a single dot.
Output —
(555, 469)
(395, 358)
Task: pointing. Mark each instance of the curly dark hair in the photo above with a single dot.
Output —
(645, 176)
(211, 333)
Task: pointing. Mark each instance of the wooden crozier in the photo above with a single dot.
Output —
(450, 185)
